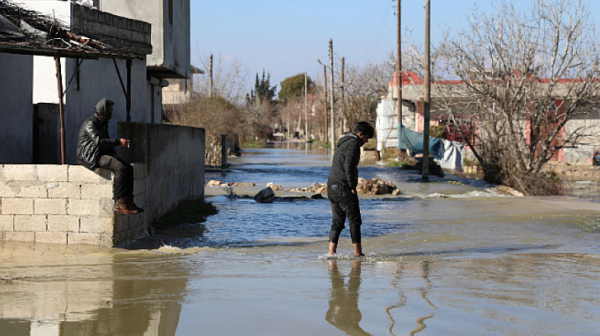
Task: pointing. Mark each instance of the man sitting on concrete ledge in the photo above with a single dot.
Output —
(95, 150)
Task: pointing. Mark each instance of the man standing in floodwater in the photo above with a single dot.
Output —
(341, 186)
(95, 150)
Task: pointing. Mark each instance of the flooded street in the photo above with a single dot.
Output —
(444, 258)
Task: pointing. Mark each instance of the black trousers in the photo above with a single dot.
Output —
(344, 204)
(123, 184)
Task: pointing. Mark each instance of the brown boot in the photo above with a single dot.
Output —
(121, 206)
(132, 205)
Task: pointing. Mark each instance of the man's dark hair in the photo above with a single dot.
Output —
(365, 128)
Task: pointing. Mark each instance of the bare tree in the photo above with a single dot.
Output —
(229, 79)
(363, 88)
(525, 77)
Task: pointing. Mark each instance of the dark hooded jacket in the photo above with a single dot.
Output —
(94, 140)
(344, 168)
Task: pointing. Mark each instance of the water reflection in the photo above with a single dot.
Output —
(94, 294)
(343, 310)
(421, 267)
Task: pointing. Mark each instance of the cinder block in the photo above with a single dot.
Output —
(139, 171)
(53, 173)
(18, 173)
(6, 190)
(97, 225)
(17, 206)
(50, 207)
(139, 186)
(30, 223)
(148, 38)
(106, 207)
(83, 238)
(119, 223)
(83, 207)
(35, 191)
(82, 174)
(6, 222)
(20, 236)
(71, 190)
(96, 191)
(106, 240)
(51, 237)
(137, 36)
(63, 223)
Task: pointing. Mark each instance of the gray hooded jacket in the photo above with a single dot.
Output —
(344, 168)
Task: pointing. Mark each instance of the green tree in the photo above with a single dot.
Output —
(263, 91)
(292, 88)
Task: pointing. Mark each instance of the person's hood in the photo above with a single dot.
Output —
(348, 136)
(103, 107)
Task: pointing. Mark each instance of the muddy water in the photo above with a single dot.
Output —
(443, 259)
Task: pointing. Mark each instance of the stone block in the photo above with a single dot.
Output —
(96, 191)
(53, 173)
(34, 191)
(63, 223)
(106, 240)
(51, 237)
(83, 238)
(106, 207)
(6, 222)
(20, 236)
(30, 223)
(83, 207)
(82, 174)
(6, 190)
(97, 225)
(50, 207)
(70, 190)
(17, 206)
(18, 173)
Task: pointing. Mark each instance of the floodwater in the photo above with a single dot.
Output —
(444, 258)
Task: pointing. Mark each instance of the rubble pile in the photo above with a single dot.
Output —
(316, 187)
(217, 183)
(376, 186)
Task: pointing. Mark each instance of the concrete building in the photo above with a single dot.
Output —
(170, 58)
(94, 55)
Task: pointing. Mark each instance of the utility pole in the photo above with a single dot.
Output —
(326, 116)
(344, 121)
(401, 152)
(427, 98)
(210, 76)
(332, 119)
(305, 108)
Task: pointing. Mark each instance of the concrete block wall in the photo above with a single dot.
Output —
(116, 30)
(66, 204)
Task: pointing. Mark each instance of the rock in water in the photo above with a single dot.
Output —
(265, 196)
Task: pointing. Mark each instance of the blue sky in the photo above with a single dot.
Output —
(285, 37)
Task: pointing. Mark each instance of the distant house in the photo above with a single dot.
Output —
(454, 91)
(180, 90)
